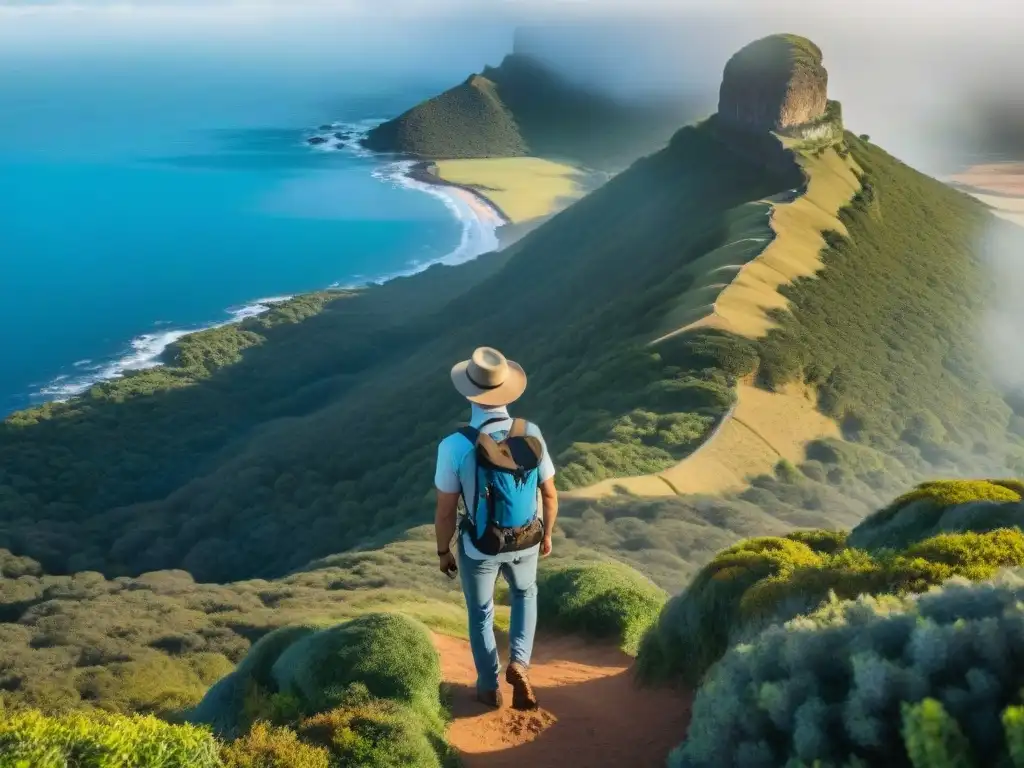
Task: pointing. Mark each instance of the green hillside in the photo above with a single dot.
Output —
(202, 541)
(321, 430)
(522, 107)
(471, 114)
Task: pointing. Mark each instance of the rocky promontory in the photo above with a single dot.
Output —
(776, 83)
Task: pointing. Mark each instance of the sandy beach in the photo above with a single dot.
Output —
(518, 189)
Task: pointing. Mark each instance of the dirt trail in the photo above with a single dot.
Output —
(592, 715)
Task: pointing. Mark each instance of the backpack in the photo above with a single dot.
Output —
(502, 516)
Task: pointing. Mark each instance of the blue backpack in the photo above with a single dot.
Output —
(502, 516)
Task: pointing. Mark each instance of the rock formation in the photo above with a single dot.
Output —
(774, 84)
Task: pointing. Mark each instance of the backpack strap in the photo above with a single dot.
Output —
(473, 433)
(518, 428)
(470, 433)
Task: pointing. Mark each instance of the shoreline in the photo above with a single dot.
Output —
(480, 219)
(425, 172)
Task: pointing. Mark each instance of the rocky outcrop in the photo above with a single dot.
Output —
(776, 83)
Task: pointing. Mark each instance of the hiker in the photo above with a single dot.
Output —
(500, 469)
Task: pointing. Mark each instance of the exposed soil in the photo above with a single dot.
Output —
(591, 713)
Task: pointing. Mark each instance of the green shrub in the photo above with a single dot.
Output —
(375, 733)
(727, 604)
(96, 739)
(943, 506)
(392, 655)
(362, 693)
(265, 746)
(695, 627)
(932, 738)
(822, 542)
(850, 684)
(242, 697)
(600, 599)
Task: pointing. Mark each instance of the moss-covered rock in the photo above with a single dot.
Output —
(600, 599)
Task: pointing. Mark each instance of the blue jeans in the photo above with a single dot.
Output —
(478, 580)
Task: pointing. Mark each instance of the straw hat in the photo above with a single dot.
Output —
(487, 378)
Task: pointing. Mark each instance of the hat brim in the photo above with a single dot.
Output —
(508, 392)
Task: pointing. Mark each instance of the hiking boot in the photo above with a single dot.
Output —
(490, 698)
(523, 696)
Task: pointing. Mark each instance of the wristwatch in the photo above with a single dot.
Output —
(442, 554)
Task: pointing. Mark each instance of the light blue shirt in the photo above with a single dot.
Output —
(456, 469)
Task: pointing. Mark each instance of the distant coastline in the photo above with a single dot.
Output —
(479, 218)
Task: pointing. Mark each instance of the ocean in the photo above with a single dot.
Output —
(145, 194)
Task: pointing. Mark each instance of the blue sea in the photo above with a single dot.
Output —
(150, 190)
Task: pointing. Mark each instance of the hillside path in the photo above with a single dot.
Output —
(592, 715)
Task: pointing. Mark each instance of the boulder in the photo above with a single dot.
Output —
(316, 140)
(774, 84)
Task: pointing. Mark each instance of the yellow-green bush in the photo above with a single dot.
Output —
(749, 587)
(923, 681)
(695, 627)
(265, 746)
(599, 599)
(949, 493)
(375, 733)
(942, 506)
(96, 739)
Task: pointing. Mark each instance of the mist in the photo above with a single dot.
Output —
(931, 81)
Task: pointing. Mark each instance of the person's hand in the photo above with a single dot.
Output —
(446, 563)
(545, 547)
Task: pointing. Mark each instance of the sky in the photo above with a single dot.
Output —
(909, 72)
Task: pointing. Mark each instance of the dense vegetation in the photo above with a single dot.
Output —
(360, 465)
(154, 644)
(255, 435)
(298, 446)
(921, 682)
(604, 600)
(523, 107)
(767, 580)
(362, 693)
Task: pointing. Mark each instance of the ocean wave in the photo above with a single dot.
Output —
(144, 352)
(342, 137)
